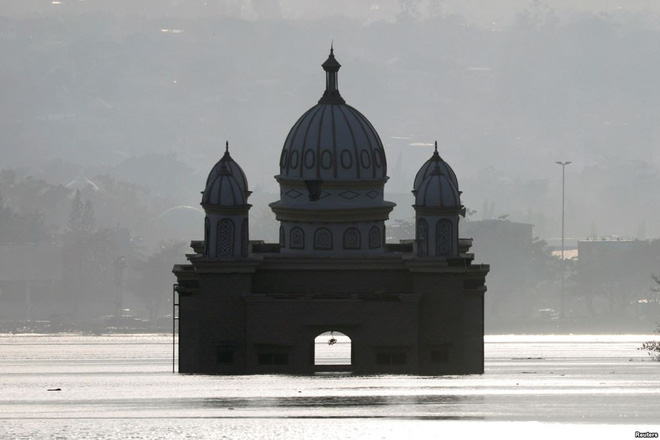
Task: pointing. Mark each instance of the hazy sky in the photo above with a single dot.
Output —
(483, 12)
(507, 88)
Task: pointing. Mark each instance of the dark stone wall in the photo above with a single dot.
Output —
(292, 326)
(399, 321)
(331, 281)
(441, 322)
(189, 337)
(473, 319)
(214, 318)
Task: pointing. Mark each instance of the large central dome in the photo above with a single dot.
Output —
(332, 178)
(332, 140)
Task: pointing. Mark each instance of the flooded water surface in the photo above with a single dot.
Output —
(122, 386)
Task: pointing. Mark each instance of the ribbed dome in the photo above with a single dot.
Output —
(428, 167)
(437, 191)
(332, 140)
(224, 189)
(234, 169)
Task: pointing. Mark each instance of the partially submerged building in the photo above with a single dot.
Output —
(248, 307)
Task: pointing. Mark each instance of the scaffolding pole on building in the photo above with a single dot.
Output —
(174, 319)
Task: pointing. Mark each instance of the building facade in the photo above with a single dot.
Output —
(248, 307)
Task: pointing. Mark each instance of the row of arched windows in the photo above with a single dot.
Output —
(444, 238)
(323, 238)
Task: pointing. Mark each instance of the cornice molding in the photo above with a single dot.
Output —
(205, 265)
(226, 210)
(334, 184)
(426, 211)
(341, 215)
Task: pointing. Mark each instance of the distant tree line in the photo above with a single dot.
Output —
(91, 282)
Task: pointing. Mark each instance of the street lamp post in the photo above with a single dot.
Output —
(563, 192)
(563, 186)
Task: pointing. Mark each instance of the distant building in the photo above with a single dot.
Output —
(614, 277)
(508, 246)
(492, 233)
(249, 307)
(600, 249)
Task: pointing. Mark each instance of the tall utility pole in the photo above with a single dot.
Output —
(563, 187)
(563, 193)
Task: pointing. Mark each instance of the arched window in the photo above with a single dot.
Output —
(374, 238)
(352, 238)
(207, 236)
(225, 239)
(297, 238)
(245, 237)
(443, 238)
(282, 238)
(323, 239)
(422, 238)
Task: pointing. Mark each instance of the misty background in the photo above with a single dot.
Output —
(112, 113)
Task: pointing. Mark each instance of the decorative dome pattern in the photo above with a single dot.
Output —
(428, 167)
(333, 142)
(234, 169)
(437, 191)
(224, 189)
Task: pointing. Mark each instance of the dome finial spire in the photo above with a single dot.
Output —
(226, 146)
(436, 157)
(331, 67)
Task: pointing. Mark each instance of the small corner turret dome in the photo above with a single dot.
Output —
(234, 169)
(437, 191)
(332, 140)
(224, 190)
(428, 167)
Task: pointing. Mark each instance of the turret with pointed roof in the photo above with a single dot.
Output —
(224, 200)
(437, 209)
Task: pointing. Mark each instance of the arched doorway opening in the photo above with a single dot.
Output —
(333, 352)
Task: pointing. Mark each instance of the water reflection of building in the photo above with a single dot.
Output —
(254, 307)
